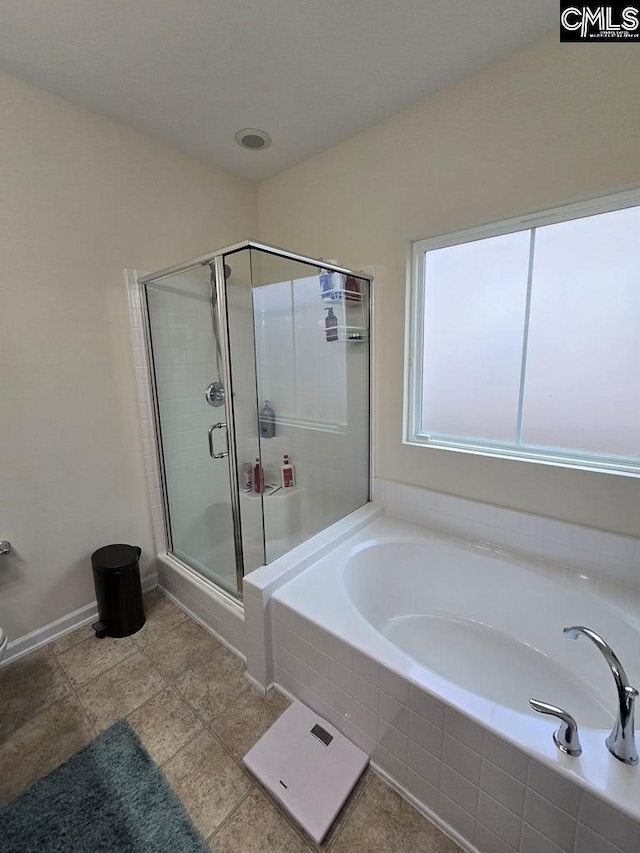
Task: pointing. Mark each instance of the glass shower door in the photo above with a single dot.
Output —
(187, 363)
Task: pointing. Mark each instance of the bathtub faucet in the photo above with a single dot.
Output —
(621, 742)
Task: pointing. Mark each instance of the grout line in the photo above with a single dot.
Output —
(103, 672)
(74, 693)
(226, 819)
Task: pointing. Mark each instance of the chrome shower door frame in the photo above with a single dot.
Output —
(217, 261)
(227, 379)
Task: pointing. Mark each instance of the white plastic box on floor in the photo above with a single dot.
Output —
(308, 766)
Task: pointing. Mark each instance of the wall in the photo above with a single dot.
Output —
(546, 125)
(81, 198)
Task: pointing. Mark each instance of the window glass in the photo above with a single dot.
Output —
(583, 363)
(474, 308)
(524, 337)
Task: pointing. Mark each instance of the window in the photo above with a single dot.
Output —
(524, 338)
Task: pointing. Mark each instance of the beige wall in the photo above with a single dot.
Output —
(546, 125)
(81, 198)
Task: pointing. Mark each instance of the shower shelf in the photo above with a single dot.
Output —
(342, 295)
(351, 334)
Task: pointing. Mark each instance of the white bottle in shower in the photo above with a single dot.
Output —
(287, 473)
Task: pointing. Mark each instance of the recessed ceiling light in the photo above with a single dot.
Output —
(253, 139)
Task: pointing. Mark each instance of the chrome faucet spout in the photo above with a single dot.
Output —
(621, 741)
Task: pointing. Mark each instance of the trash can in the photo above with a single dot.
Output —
(116, 576)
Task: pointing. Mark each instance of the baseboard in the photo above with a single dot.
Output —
(43, 636)
(255, 683)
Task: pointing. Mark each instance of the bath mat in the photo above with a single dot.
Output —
(108, 798)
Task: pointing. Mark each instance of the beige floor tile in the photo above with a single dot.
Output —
(210, 683)
(164, 724)
(382, 820)
(71, 638)
(40, 745)
(87, 659)
(207, 780)
(247, 719)
(254, 827)
(162, 615)
(120, 690)
(185, 645)
(27, 686)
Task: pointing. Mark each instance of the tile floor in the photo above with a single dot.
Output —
(186, 696)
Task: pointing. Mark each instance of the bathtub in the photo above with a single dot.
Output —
(416, 644)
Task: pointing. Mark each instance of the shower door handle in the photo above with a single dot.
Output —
(212, 450)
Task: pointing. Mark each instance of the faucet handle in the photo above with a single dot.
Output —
(566, 737)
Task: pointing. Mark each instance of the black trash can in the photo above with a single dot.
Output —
(116, 575)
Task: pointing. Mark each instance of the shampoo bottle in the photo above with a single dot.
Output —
(331, 325)
(352, 289)
(326, 284)
(288, 474)
(267, 421)
(257, 477)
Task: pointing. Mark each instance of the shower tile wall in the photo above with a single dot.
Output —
(319, 392)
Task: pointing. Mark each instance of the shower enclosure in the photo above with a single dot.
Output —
(257, 353)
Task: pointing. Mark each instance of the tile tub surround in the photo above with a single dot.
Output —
(48, 712)
(259, 586)
(608, 561)
(315, 667)
(484, 792)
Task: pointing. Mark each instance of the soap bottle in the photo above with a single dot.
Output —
(326, 283)
(257, 477)
(246, 477)
(331, 325)
(267, 421)
(287, 474)
(352, 289)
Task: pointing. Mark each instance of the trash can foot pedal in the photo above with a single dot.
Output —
(100, 629)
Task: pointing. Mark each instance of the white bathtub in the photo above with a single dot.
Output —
(470, 628)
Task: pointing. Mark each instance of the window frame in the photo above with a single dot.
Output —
(414, 344)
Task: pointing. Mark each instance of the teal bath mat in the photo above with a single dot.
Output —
(108, 798)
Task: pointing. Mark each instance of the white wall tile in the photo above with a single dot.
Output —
(459, 789)
(613, 825)
(394, 686)
(561, 544)
(390, 764)
(427, 706)
(487, 842)
(425, 734)
(422, 790)
(502, 822)
(590, 842)
(463, 729)
(460, 758)
(393, 740)
(394, 712)
(532, 841)
(503, 787)
(456, 817)
(424, 763)
(550, 820)
(553, 787)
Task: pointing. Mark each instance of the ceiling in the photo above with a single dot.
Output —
(309, 72)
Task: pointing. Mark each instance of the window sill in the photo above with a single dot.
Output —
(625, 468)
